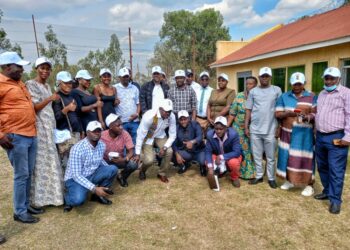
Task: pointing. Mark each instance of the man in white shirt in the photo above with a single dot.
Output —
(203, 94)
(190, 81)
(152, 131)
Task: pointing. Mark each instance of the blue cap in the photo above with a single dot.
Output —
(63, 76)
(83, 73)
(12, 58)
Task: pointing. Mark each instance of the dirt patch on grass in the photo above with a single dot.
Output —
(183, 214)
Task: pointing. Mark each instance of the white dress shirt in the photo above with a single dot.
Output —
(157, 96)
(145, 124)
(207, 93)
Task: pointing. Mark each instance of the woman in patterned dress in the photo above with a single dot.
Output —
(237, 115)
(47, 183)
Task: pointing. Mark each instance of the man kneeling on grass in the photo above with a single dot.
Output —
(87, 171)
(223, 150)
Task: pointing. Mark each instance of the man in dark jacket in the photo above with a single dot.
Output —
(153, 92)
(223, 150)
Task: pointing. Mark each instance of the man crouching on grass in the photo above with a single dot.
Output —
(87, 171)
(223, 150)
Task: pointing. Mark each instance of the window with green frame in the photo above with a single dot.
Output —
(279, 78)
(293, 69)
(317, 80)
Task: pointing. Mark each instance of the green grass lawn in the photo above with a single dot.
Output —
(183, 214)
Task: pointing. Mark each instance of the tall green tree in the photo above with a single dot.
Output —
(5, 43)
(110, 57)
(184, 32)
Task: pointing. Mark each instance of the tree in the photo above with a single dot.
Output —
(56, 50)
(184, 32)
(108, 58)
(5, 44)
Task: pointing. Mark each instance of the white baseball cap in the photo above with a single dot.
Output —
(166, 104)
(93, 125)
(221, 119)
(223, 75)
(111, 118)
(105, 70)
(180, 73)
(157, 69)
(297, 77)
(12, 58)
(204, 73)
(83, 73)
(265, 70)
(64, 76)
(124, 72)
(332, 71)
(42, 60)
(182, 113)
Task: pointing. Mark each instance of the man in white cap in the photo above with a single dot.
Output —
(152, 132)
(129, 107)
(295, 162)
(117, 140)
(261, 124)
(183, 96)
(203, 94)
(18, 132)
(154, 91)
(190, 80)
(223, 148)
(189, 145)
(87, 171)
(332, 137)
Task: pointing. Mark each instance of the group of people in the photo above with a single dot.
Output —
(66, 144)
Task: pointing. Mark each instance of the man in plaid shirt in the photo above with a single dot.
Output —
(183, 96)
(87, 171)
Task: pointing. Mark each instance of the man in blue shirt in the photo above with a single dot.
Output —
(223, 149)
(188, 144)
(129, 107)
(87, 171)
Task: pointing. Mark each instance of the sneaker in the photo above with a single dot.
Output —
(308, 191)
(287, 185)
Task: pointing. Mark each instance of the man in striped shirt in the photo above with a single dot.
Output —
(332, 138)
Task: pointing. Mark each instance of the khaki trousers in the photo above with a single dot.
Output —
(148, 156)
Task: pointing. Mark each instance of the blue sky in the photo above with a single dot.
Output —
(85, 25)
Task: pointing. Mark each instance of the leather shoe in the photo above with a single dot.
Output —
(273, 184)
(182, 169)
(2, 239)
(236, 183)
(334, 208)
(321, 196)
(255, 181)
(163, 178)
(34, 210)
(101, 199)
(122, 181)
(67, 208)
(203, 170)
(142, 175)
(25, 218)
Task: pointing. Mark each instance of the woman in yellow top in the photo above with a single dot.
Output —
(220, 100)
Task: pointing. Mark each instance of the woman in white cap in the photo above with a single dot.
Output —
(47, 183)
(296, 144)
(87, 103)
(220, 100)
(108, 95)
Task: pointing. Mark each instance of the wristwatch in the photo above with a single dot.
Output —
(165, 148)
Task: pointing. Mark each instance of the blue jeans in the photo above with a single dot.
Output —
(188, 157)
(76, 194)
(131, 128)
(331, 164)
(22, 157)
(127, 168)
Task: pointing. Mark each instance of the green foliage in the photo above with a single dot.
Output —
(184, 31)
(5, 44)
(108, 58)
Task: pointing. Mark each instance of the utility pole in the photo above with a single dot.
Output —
(36, 39)
(193, 53)
(130, 50)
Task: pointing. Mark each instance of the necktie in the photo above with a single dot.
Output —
(201, 101)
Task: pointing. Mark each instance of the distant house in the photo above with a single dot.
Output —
(308, 45)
